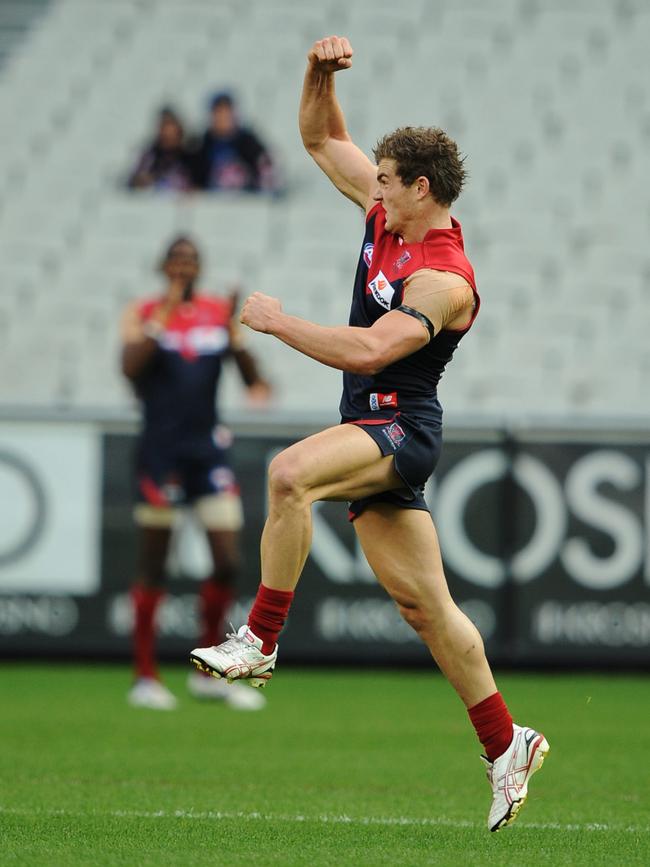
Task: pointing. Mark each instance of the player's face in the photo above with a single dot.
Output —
(397, 199)
(183, 263)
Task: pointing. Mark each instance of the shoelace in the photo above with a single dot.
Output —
(235, 643)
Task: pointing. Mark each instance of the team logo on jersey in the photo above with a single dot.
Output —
(381, 401)
(403, 259)
(394, 434)
(367, 253)
(381, 290)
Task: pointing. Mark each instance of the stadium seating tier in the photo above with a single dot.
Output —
(550, 103)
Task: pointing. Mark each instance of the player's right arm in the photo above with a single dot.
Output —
(139, 342)
(140, 336)
(322, 124)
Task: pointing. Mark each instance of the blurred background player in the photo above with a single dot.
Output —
(173, 351)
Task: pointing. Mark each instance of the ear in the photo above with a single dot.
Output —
(422, 186)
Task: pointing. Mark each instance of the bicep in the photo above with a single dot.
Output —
(396, 336)
(348, 168)
(442, 299)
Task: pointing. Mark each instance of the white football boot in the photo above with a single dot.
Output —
(509, 775)
(151, 693)
(238, 658)
(236, 695)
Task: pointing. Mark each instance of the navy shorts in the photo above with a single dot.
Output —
(181, 475)
(415, 441)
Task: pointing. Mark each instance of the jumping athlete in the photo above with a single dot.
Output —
(414, 299)
(173, 351)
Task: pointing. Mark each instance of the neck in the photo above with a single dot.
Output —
(180, 291)
(435, 217)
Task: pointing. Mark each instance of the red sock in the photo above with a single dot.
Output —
(214, 602)
(493, 725)
(268, 614)
(145, 602)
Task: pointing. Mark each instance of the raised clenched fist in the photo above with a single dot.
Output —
(331, 54)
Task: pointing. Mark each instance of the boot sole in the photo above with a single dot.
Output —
(258, 681)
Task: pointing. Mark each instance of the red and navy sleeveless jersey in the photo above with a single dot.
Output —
(178, 389)
(384, 264)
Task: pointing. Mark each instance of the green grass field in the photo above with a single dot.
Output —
(341, 768)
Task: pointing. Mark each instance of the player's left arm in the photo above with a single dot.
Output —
(356, 350)
(439, 300)
(258, 389)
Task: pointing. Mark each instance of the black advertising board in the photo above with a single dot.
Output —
(545, 540)
(585, 594)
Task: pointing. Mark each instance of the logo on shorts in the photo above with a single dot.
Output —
(403, 259)
(380, 401)
(223, 480)
(395, 434)
(174, 493)
(367, 253)
(381, 289)
(222, 437)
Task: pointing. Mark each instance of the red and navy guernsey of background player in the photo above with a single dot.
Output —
(409, 384)
(178, 393)
(178, 389)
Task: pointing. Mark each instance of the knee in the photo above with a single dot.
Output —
(424, 612)
(415, 615)
(286, 478)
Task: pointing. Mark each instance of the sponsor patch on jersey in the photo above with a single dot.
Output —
(381, 401)
(207, 339)
(367, 253)
(403, 259)
(198, 340)
(394, 434)
(381, 290)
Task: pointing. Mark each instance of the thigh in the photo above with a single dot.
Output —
(159, 488)
(212, 489)
(340, 463)
(401, 546)
(220, 513)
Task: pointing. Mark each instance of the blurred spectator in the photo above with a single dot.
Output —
(232, 157)
(165, 164)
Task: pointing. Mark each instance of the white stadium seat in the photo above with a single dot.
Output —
(548, 100)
